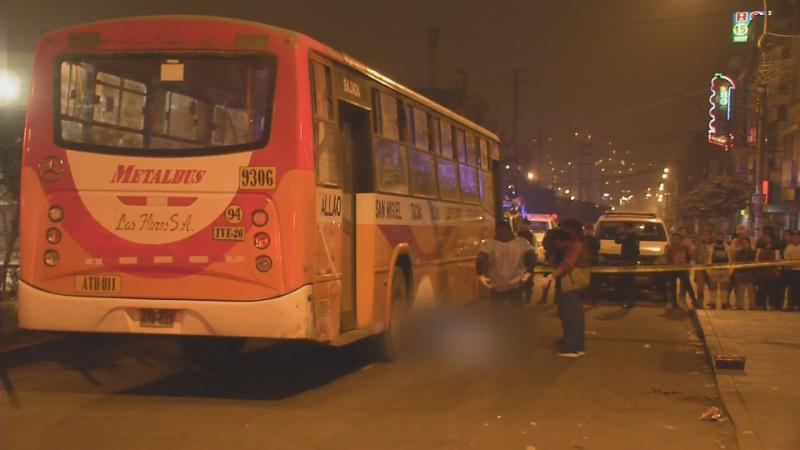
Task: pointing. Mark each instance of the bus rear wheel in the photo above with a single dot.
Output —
(389, 344)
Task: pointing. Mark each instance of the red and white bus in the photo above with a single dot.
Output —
(215, 177)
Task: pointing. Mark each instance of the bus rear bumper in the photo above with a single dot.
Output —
(288, 316)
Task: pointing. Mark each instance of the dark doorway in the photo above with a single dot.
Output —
(356, 177)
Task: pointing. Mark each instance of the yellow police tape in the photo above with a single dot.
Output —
(659, 268)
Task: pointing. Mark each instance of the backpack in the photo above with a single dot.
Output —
(579, 278)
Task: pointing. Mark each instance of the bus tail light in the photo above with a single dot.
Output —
(260, 218)
(264, 263)
(51, 258)
(261, 240)
(53, 235)
(55, 213)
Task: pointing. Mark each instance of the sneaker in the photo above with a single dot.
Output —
(571, 354)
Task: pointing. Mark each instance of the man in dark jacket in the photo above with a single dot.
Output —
(629, 249)
(505, 264)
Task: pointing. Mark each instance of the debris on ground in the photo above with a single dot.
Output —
(656, 390)
(729, 361)
(646, 345)
(712, 414)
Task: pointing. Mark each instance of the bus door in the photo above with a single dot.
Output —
(354, 134)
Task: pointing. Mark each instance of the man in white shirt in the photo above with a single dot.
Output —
(792, 253)
(505, 264)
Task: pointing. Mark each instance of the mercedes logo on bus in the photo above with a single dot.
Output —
(51, 168)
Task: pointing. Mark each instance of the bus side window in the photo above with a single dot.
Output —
(421, 136)
(461, 145)
(483, 154)
(446, 137)
(446, 168)
(421, 162)
(466, 169)
(328, 156)
(485, 175)
(391, 164)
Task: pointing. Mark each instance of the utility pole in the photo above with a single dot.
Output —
(537, 156)
(584, 160)
(520, 82)
(433, 45)
(758, 196)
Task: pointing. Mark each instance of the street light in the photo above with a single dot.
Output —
(530, 176)
(9, 87)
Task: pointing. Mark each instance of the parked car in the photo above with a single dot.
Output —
(539, 225)
(652, 243)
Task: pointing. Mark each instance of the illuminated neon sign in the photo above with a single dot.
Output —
(741, 24)
(720, 126)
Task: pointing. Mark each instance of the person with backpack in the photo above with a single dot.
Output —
(572, 277)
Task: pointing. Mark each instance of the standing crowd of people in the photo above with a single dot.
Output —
(763, 288)
(506, 264)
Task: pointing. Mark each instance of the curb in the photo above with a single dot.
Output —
(727, 389)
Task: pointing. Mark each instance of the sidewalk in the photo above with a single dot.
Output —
(764, 399)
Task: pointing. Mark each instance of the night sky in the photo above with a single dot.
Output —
(608, 67)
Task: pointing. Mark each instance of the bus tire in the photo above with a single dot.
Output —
(389, 344)
(209, 349)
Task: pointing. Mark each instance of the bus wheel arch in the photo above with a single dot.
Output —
(399, 297)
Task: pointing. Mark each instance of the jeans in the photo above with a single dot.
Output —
(570, 311)
(513, 297)
(739, 288)
(686, 288)
(767, 294)
(527, 290)
(719, 293)
(793, 282)
(701, 280)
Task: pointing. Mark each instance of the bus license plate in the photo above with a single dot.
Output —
(97, 284)
(157, 318)
(228, 233)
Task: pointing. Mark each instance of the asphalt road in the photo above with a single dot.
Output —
(473, 380)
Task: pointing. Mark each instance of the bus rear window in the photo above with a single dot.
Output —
(151, 104)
